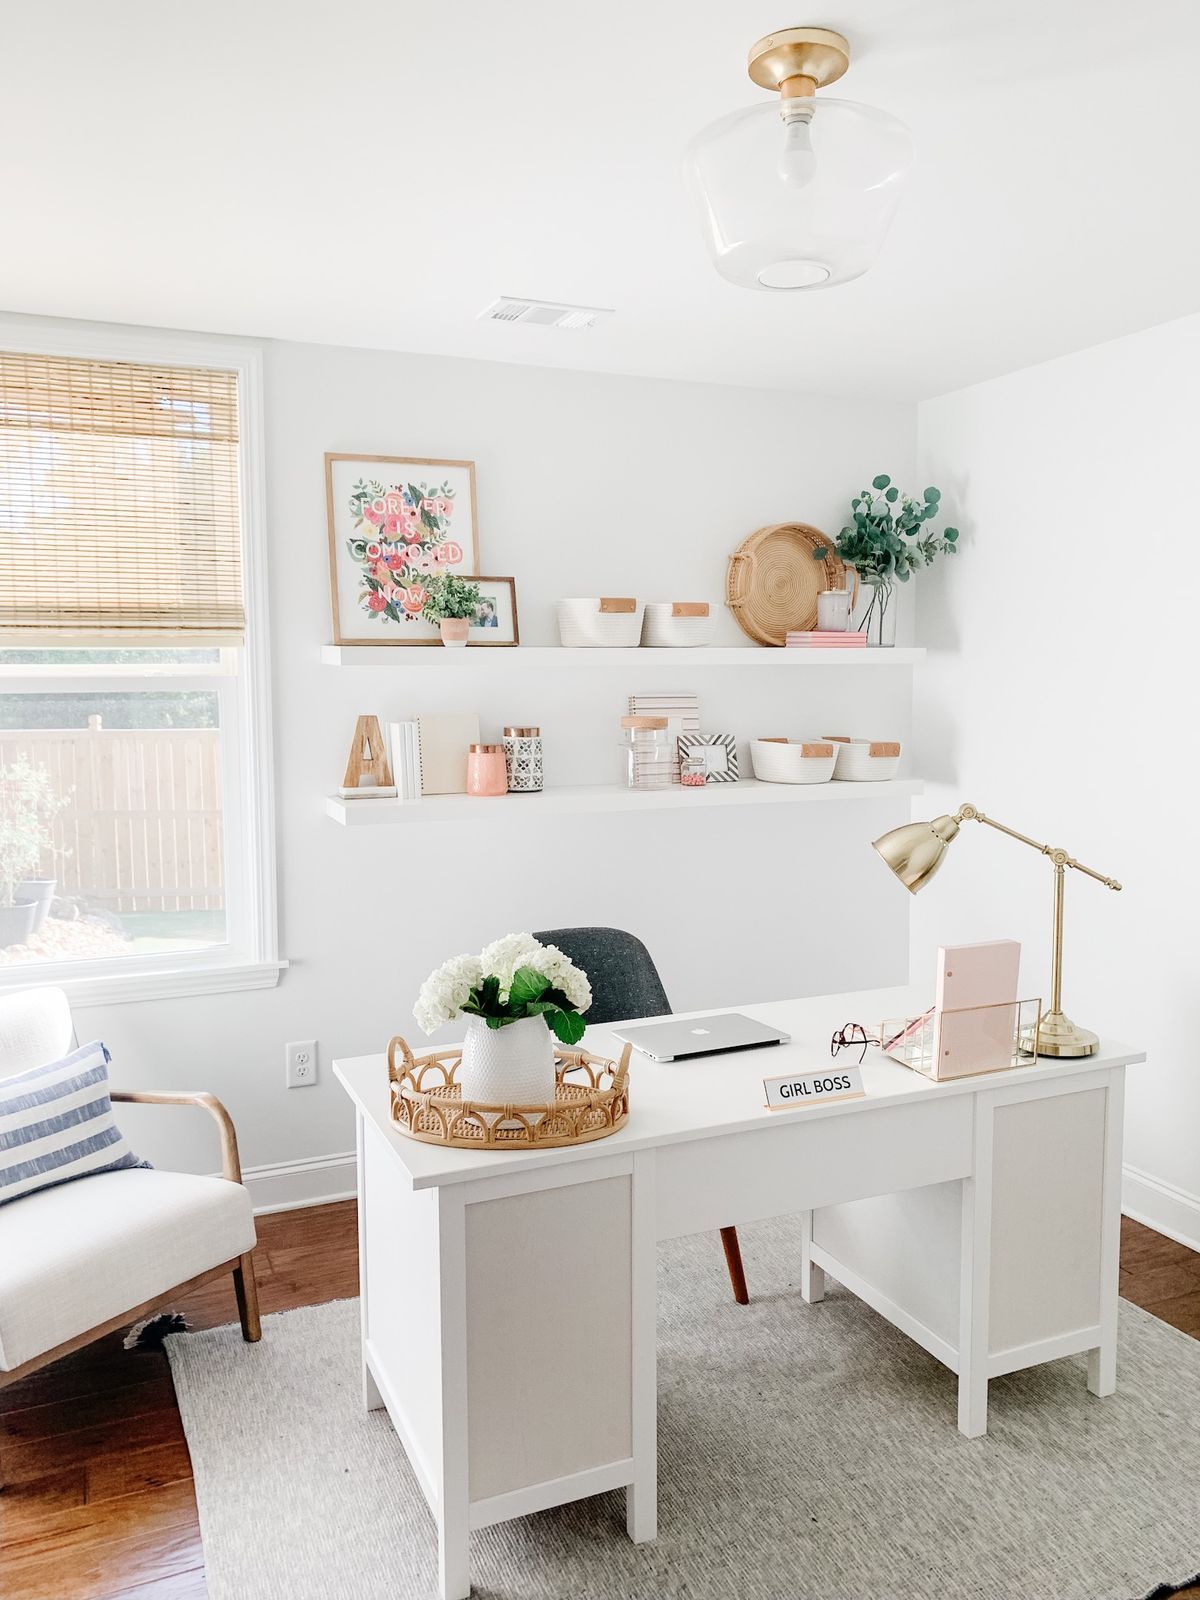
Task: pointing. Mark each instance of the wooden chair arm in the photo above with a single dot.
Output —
(231, 1167)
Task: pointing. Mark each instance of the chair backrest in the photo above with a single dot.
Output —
(624, 979)
(35, 1027)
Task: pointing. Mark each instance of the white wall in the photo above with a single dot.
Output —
(1060, 697)
(587, 485)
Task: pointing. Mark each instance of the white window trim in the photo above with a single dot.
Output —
(254, 963)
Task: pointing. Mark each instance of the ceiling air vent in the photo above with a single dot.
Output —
(543, 313)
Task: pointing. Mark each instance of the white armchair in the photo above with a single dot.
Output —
(86, 1257)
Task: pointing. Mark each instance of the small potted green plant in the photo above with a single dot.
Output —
(884, 542)
(26, 808)
(452, 603)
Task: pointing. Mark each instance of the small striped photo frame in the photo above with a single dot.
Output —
(719, 751)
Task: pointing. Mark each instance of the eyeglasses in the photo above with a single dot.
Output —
(851, 1036)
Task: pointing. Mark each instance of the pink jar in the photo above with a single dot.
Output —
(487, 771)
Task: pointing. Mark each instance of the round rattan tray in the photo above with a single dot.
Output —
(773, 580)
(427, 1103)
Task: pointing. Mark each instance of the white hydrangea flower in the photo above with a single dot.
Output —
(565, 975)
(502, 958)
(446, 991)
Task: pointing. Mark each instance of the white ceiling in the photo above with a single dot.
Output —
(375, 172)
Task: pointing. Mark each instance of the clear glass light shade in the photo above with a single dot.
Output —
(801, 204)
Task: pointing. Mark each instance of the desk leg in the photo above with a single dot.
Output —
(372, 1399)
(975, 1284)
(1102, 1362)
(641, 1496)
(812, 1277)
(454, 1575)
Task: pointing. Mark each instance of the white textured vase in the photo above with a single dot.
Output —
(512, 1065)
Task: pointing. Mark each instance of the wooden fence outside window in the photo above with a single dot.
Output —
(141, 830)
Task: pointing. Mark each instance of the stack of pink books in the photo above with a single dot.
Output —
(823, 638)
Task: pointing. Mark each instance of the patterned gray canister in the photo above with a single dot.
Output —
(523, 757)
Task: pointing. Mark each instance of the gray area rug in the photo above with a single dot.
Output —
(804, 1454)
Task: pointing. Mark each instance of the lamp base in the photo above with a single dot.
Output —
(1059, 1037)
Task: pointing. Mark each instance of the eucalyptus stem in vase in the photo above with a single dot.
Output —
(886, 541)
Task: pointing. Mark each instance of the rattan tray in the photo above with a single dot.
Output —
(773, 580)
(427, 1103)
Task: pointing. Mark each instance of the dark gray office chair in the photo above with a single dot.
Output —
(625, 983)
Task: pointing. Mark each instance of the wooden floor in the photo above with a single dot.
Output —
(95, 1483)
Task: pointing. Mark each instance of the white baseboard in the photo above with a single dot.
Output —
(289, 1185)
(1161, 1206)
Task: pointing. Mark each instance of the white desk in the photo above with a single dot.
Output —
(508, 1300)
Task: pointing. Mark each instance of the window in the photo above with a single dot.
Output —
(135, 807)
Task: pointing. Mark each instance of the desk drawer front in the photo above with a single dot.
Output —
(797, 1166)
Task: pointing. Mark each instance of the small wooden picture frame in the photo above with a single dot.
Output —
(495, 621)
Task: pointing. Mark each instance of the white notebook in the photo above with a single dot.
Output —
(406, 759)
(445, 740)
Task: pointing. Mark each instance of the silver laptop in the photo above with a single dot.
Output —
(700, 1036)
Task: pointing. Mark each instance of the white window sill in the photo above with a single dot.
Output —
(147, 983)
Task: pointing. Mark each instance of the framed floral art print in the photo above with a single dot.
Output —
(393, 520)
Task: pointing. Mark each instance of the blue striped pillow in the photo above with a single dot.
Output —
(56, 1123)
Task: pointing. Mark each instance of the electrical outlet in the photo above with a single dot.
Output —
(301, 1060)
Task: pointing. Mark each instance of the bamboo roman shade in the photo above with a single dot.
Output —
(118, 502)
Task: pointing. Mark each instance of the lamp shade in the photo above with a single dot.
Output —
(915, 851)
(800, 204)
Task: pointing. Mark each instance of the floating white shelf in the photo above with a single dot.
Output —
(486, 658)
(609, 797)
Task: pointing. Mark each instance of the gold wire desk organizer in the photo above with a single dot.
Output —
(965, 1042)
(427, 1103)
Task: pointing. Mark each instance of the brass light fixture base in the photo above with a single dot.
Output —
(1063, 1039)
(817, 55)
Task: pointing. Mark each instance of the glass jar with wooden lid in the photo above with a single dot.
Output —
(647, 750)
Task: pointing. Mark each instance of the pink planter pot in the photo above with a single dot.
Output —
(454, 630)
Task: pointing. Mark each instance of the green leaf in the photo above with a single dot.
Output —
(932, 496)
(881, 482)
(822, 551)
(892, 495)
(951, 534)
(568, 1026)
(527, 986)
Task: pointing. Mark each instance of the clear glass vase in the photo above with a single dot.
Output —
(875, 611)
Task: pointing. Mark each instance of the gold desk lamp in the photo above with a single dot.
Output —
(914, 853)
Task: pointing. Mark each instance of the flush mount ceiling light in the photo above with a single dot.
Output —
(798, 194)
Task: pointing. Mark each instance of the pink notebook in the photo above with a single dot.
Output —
(977, 1006)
